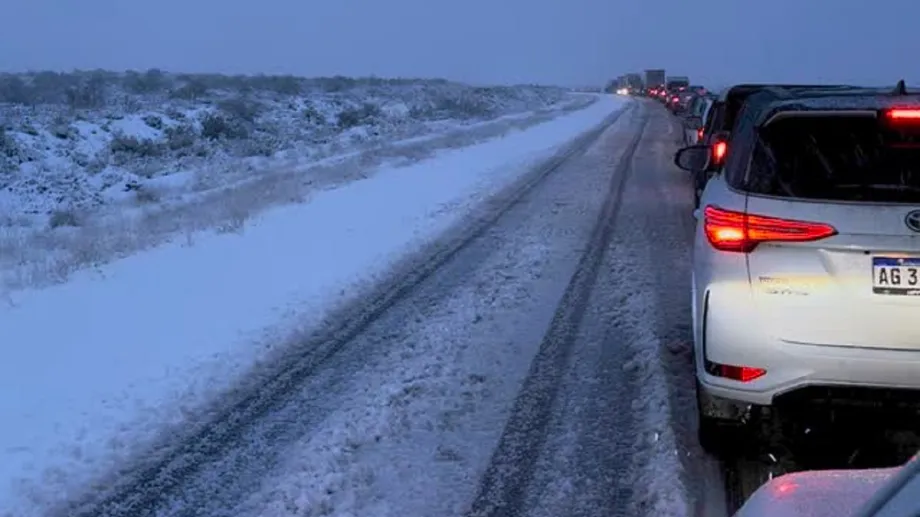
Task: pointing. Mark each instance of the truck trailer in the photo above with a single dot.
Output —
(655, 78)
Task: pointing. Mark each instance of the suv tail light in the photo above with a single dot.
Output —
(728, 230)
(719, 149)
(699, 134)
(903, 115)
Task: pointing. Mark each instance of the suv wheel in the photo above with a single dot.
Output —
(721, 437)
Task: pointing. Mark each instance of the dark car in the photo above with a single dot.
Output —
(695, 115)
(723, 114)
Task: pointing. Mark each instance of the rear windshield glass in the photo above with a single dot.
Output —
(836, 159)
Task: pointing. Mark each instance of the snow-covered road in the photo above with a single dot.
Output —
(531, 359)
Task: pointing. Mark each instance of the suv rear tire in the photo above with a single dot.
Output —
(721, 437)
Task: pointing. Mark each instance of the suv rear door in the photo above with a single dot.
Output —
(860, 287)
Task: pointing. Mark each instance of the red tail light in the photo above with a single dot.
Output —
(740, 232)
(699, 134)
(719, 149)
(903, 114)
(674, 100)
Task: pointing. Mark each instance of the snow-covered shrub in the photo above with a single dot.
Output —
(85, 134)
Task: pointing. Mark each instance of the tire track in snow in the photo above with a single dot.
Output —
(504, 487)
(144, 488)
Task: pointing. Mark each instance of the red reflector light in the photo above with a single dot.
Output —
(728, 230)
(699, 134)
(740, 373)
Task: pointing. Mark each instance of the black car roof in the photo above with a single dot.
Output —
(861, 99)
(744, 90)
(735, 97)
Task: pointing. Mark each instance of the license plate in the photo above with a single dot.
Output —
(896, 275)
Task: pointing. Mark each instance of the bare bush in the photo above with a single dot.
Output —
(240, 108)
(219, 127)
(63, 218)
(353, 117)
(193, 89)
(122, 144)
(180, 137)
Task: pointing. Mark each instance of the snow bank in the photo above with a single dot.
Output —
(77, 140)
(96, 166)
(95, 367)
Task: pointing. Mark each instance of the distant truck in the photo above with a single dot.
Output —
(634, 83)
(676, 82)
(655, 78)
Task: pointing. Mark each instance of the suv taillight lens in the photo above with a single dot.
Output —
(719, 150)
(699, 134)
(903, 115)
(728, 230)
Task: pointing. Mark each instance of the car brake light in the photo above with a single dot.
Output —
(903, 114)
(699, 134)
(719, 149)
(728, 230)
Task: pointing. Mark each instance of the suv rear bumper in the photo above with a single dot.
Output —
(735, 336)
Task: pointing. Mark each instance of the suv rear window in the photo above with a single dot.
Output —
(839, 158)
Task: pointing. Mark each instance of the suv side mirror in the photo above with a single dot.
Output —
(693, 158)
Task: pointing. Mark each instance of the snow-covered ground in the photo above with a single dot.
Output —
(97, 367)
(95, 165)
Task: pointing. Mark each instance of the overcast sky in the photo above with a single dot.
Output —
(488, 41)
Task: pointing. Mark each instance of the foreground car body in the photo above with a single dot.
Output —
(831, 493)
(806, 261)
(891, 492)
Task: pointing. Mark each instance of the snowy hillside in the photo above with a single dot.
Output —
(96, 163)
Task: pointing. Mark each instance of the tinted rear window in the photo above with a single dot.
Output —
(835, 159)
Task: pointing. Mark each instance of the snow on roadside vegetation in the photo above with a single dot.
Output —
(138, 347)
(80, 147)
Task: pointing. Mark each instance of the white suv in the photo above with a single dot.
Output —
(806, 261)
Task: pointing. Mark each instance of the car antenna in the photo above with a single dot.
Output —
(900, 89)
